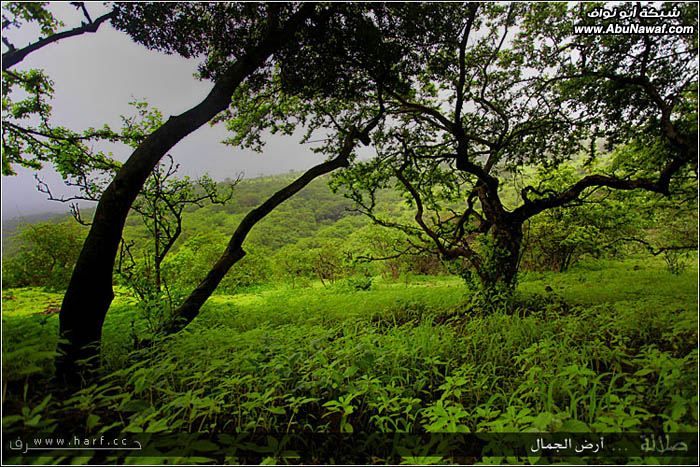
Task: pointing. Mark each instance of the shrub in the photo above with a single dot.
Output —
(47, 258)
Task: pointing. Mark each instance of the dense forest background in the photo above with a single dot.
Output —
(319, 236)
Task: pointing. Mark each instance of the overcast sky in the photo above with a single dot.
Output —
(96, 75)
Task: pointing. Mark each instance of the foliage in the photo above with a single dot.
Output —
(47, 257)
(360, 282)
(294, 264)
(186, 267)
(673, 230)
(593, 225)
(610, 354)
(390, 252)
(286, 245)
(29, 139)
(17, 14)
(630, 82)
(487, 103)
(465, 97)
(160, 204)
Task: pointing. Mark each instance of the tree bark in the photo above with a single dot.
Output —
(501, 267)
(234, 250)
(89, 292)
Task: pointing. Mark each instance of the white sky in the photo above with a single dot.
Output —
(96, 75)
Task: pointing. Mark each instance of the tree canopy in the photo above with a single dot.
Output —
(473, 94)
(506, 93)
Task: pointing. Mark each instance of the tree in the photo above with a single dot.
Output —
(160, 205)
(393, 250)
(668, 226)
(238, 40)
(347, 48)
(294, 263)
(464, 97)
(512, 86)
(242, 43)
(234, 251)
(35, 12)
(28, 138)
(558, 237)
(191, 262)
(47, 257)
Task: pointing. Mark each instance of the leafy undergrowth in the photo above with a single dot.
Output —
(610, 348)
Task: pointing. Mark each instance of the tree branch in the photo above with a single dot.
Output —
(651, 248)
(473, 7)
(533, 207)
(384, 258)
(13, 56)
(234, 250)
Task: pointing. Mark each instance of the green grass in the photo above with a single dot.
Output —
(612, 348)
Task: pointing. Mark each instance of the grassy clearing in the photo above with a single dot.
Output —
(612, 348)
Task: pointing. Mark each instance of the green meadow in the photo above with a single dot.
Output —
(611, 348)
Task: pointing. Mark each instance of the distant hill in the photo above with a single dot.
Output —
(301, 216)
(10, 228)
(312, 211)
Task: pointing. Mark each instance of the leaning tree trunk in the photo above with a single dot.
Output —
(234, 250)
(89, 292)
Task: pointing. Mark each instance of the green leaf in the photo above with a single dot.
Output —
(574, 426)
(276, 410)
(204, 445)
(350, 371)
(134, 405)
(92, 421)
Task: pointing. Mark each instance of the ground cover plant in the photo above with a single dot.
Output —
(494, 259)
(611, 348)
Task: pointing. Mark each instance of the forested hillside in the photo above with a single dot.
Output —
(12, 227)
(320, 235)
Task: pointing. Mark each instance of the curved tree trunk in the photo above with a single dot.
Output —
(234, 250)
(498, 272)
(89, 293)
